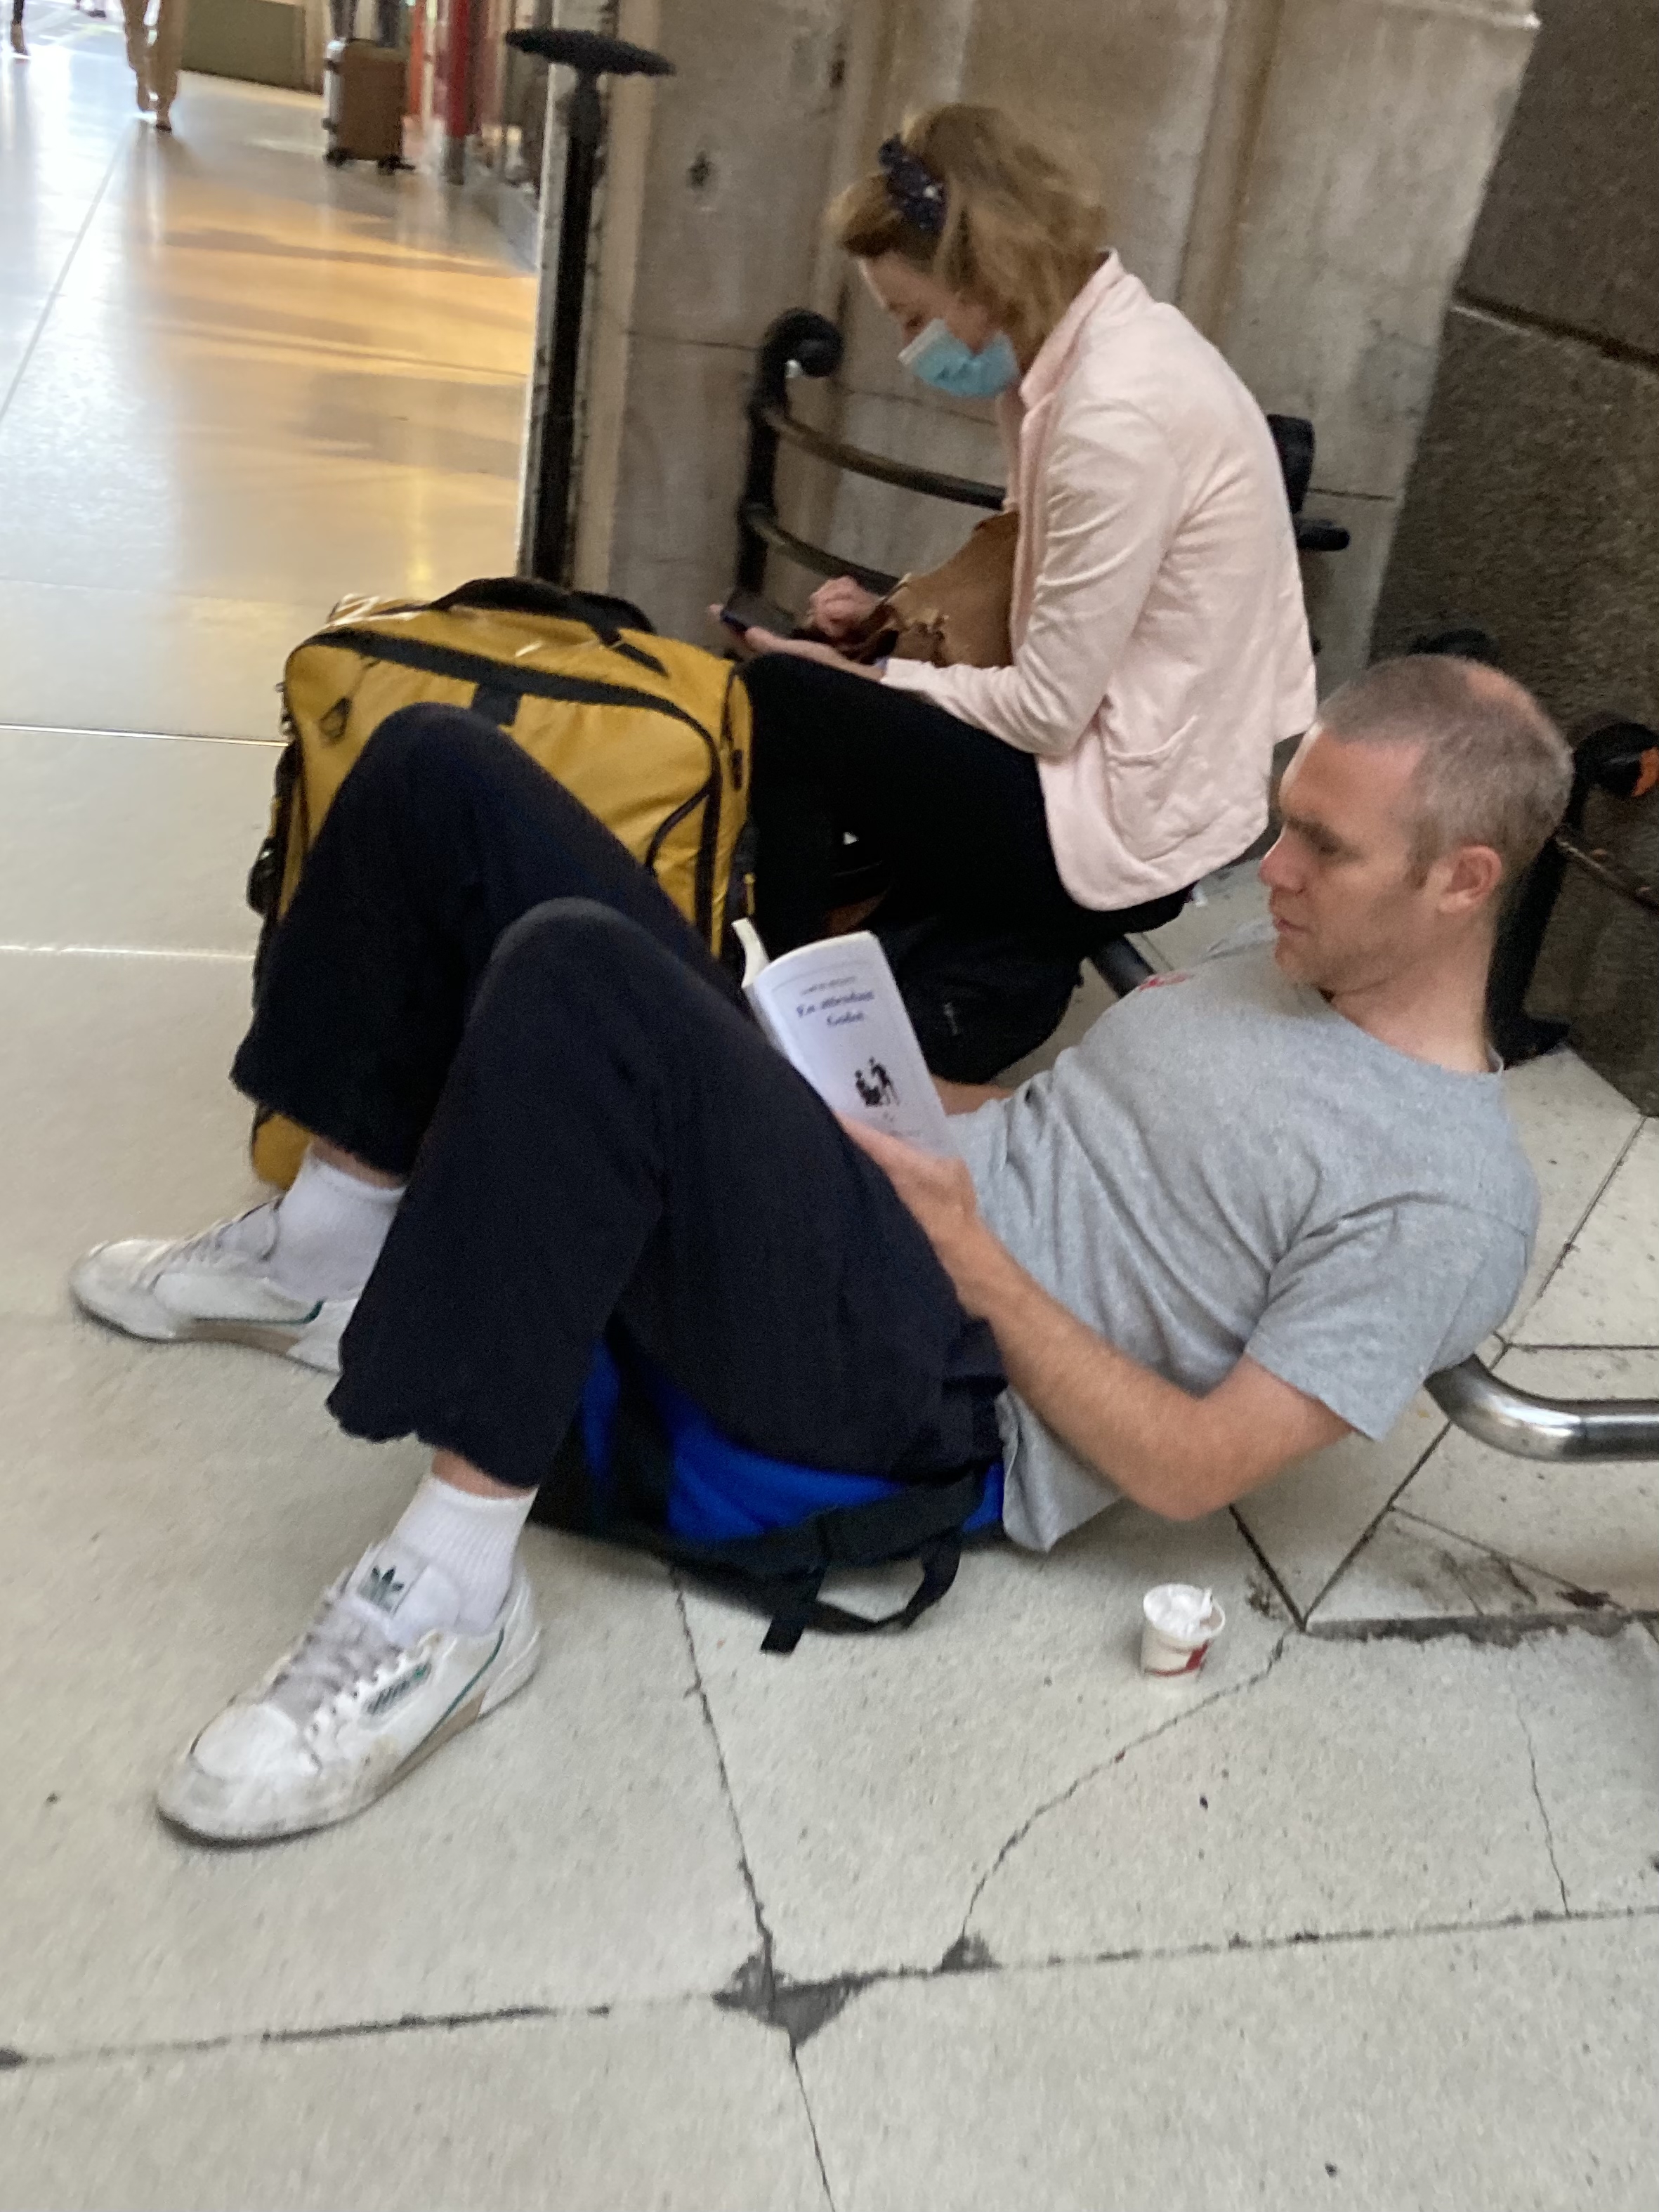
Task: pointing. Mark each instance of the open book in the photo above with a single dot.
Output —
(834, 1012)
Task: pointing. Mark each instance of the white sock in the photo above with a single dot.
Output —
(472, 1540)
(329, 1229)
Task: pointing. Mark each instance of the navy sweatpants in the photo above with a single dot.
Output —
(476, 986)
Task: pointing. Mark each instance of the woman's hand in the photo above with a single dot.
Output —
(753, 641)
(840, 606)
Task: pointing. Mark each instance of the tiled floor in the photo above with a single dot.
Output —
(235, 385)
(975, 1918)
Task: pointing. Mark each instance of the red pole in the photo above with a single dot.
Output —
(458, 87)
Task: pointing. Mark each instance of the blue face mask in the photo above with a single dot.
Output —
(939, 357)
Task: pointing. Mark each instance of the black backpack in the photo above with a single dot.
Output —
(642, 1466)
(980, 997)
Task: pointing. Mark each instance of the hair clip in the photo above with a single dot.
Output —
(916, 193)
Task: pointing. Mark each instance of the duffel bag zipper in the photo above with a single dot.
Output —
(508, 677)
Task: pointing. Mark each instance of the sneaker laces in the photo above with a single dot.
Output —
(219, 1241)
(338, 1651)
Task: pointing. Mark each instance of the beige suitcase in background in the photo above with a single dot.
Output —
(363, 102)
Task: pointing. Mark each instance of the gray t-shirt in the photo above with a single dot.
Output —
(1224, 1165)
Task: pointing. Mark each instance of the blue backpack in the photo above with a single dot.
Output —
(641, 1466)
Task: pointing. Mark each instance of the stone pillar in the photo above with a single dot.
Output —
(1533, 506)
(1377, 123)
(715, 186)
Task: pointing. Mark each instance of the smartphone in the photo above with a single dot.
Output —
(749, 611)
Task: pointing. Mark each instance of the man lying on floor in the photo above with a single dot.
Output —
(1247, 1215)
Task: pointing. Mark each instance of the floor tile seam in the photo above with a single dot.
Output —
(235, 347)
(1236, 1946)
(208, 952)
(121, 148)
(489, 260)
(852, 1984)
(754, 1988)
(1577, 1231)
(14, 2059)
(143, 737)
(235, 602)
(1493, 1552)
(1579, 1348)
(1371, 1527)
(1298, 1619)
(759, 1966)
(1500, 1631)
(298, 240)
(1053, 1804)
(1514, 1558)
(1607, 1344)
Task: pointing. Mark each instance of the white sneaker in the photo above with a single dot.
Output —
(348, 1712)
(214, 1286)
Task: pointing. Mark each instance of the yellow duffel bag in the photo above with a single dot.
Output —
(651, 734)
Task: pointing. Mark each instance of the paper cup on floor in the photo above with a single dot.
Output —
(1181, 1622)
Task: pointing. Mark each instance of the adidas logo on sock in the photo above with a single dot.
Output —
(381, 1587)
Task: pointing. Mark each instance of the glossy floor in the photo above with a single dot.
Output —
(974, 1918)
(234, 385)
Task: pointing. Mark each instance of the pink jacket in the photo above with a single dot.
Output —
(1160, 646)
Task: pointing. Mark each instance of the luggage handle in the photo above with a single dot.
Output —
(529, 595)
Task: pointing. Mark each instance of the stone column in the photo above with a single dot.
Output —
(716, 182)
(1533, 506)
(1377, 123)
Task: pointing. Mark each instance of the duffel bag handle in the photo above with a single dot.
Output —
(529, 595)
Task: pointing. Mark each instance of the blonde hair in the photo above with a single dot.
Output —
(1022, 232)
(1495, 769)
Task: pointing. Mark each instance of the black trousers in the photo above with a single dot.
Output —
(477, 986)
(955, 815)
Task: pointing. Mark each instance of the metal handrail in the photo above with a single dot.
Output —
(1527, 1426)
(804, 343)
(967, 491)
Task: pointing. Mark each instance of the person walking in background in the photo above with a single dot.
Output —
(154, 54)
(18, 46)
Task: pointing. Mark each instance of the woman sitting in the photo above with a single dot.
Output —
(1159, 648)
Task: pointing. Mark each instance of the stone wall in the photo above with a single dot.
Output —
(1299, 175)
(1533, 506)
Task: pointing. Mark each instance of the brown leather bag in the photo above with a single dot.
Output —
(955, 615)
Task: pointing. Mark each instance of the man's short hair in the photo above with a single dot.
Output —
(1495, 769)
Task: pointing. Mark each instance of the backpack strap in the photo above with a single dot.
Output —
(783, 1570)
(625, 1497)
(795, 1611)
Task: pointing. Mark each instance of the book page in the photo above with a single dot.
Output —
(835, 1012)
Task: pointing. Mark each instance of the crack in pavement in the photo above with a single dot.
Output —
(754, 1988)
(13, 2060)
(965, 1936)
(1538, 1798)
